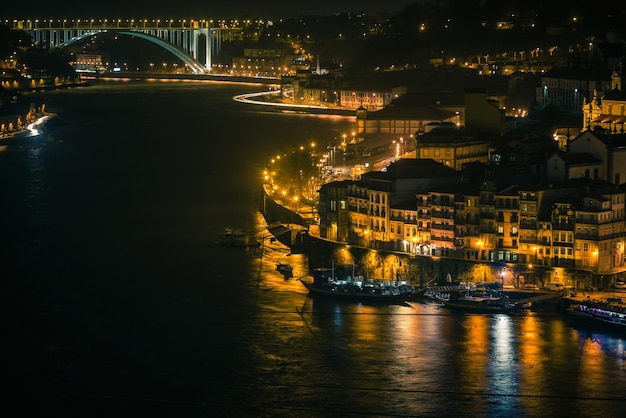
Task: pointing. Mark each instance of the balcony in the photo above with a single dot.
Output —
(471, 232)
(442, 214)
(507, 205)
(563, 262)
(528, 225)
(445, 239)
(563, 226)
(444, 227)
(588, 235)
(528, 197)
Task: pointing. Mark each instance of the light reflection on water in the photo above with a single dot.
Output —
(341, 358)
(426, 361)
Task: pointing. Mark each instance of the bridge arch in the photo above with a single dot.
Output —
(194, 65)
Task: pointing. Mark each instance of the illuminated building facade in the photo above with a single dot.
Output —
(609, 111)
(579, 225)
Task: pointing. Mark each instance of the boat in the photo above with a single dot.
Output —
(343, 282)
(235, 238)
(482, 303)
(285, 269)
(607, 315)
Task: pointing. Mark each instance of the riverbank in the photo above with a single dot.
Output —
(184, 77)
(32, 129)
(56, 87)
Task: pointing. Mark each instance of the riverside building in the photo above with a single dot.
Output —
(422, 207)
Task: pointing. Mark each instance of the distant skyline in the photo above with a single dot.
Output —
(139, 9)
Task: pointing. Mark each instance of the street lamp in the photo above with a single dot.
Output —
(502, 276)
(595, 266)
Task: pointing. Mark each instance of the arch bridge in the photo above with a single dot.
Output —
(186, 39)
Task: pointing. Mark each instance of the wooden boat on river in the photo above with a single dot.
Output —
(343, 282)
(480, 303)
(235, 238)
(284, 268)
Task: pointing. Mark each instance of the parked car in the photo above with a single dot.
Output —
(530, 286)
(555, 287)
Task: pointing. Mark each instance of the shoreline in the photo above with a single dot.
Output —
(184, 77)
(248, 98)
(32, 130)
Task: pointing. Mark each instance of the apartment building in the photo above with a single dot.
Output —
(369, 201)
(452, 147)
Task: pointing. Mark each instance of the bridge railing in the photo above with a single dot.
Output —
(119, 24)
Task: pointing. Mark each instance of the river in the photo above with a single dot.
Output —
(117, 301)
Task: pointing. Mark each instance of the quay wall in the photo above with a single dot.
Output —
(421, 270)
(425, 269)
(274, 212)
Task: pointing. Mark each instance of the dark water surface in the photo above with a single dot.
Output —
(117, 302)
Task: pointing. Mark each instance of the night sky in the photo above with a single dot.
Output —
(193, 9)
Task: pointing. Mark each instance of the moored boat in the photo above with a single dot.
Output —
(479, 303)
(343, 282)
(235, 238)
(603, 315)
(285, 269)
